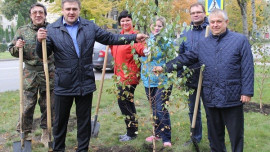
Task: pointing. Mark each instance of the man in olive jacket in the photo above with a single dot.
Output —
(71, 39)
(33, 73)
(228, 80)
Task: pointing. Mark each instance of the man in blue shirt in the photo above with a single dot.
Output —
(71, 39)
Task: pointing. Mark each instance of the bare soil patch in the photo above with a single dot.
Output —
(255, 107)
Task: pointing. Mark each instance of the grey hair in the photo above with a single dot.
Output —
(161, 19)
(78, 1)
(219, 12)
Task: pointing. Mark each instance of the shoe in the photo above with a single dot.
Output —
(167, 144)
(126, 138)
(45, 137)
(122, 136)
(151, 138)
(27, 136)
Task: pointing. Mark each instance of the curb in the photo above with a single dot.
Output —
(9, 59)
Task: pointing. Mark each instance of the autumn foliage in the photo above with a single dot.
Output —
(181, 7)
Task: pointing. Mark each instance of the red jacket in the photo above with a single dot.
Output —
(124, 64)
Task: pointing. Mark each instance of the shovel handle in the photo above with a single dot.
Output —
(207, 31)
(21, 94)
(197, 98)
(48, 95)
(102, 79)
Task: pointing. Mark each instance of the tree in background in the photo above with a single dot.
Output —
(181, 7)
(10, 8)
(12, 33)
(254, 24)
(7, 35)
(243, 7)
(20, 21)
(234, 14)
(178, 7)
(2, 34)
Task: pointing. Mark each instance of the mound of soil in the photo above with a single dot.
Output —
(255, 107)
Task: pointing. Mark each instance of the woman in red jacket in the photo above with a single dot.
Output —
(128, 70)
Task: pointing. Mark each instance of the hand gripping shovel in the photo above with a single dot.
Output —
(23, 145)
(48, 96)
(94, 124)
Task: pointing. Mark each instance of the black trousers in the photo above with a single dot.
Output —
(127, 107)
(233, 119)
(63, 105)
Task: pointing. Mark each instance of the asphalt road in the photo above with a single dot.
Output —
(9, 75)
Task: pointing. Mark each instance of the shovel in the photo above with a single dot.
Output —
(192, 129)
(48, 96)
(94, 124)
(23, 145)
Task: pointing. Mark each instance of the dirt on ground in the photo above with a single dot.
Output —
(255, 107)
(146, 147)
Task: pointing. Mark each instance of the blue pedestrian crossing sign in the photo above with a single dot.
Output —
(213, 4)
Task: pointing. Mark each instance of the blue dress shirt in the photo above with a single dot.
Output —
(73, 30)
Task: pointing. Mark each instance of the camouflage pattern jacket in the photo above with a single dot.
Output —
(30, 58)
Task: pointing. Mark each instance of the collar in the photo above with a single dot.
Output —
(65, 23)
(130, 32)
(36, 28)
(218, 37)
(201, 26)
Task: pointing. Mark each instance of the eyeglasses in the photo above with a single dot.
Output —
(193, 13)
(37, 12)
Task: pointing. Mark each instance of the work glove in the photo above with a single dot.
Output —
(147, 51)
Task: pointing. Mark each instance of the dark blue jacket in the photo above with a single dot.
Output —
(229, 70)
(193, 35)
(73, 75)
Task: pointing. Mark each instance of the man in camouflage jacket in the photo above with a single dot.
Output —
(33, 73)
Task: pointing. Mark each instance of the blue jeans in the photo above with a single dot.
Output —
(162, 122)
(198, 126)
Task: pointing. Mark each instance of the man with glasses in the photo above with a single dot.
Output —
(34, 78)
(196, 32)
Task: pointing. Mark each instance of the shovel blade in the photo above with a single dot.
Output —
(94, 129)
(18, 148)
(194, 141)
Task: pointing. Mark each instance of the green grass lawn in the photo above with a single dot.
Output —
(257, 126)
(5, 55)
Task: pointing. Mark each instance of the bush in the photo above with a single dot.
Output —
(3, 47)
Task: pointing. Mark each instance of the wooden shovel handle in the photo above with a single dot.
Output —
(102, 79)
(197, 98)
(48, 93)
(207, 31)
(21, 93)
